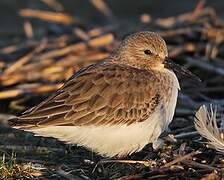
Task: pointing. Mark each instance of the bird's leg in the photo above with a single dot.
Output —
(158, 144)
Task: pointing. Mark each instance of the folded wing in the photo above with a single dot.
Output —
(103, 94)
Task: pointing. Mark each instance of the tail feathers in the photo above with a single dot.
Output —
(4, 119)
(18, 123)
(14, 122)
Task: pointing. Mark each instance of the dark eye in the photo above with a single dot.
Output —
(147, 52)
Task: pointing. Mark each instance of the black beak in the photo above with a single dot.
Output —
(169, 64)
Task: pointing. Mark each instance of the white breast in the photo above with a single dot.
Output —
(171, 104)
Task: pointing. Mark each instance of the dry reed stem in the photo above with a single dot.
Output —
(55, 17)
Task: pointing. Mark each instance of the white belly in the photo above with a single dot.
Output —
(108, 140)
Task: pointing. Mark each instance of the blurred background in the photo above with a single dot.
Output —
(127, 10)
(44, 42)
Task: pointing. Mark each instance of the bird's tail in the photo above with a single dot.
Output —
(14, 122)
(7, 120)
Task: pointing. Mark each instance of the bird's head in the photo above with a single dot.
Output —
(143, 50)
(147, 50)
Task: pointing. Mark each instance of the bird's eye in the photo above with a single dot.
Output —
(147, 52)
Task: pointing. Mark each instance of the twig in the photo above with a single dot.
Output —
(36, 90)
(147, 163)
(20, 62)
(186, 135)
(28, 29)
(205, 65)
(181, 158)
(66, 175)
(95, 42)
(104, 9)
(36, 149)
(199, 165)
(54, 4)
(54, 17)
(19, 47)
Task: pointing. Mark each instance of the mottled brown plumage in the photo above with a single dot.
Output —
(112, 94)
(124, 91)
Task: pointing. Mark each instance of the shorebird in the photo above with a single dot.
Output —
(114, 107)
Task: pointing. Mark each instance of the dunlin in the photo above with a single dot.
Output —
(114, 107)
